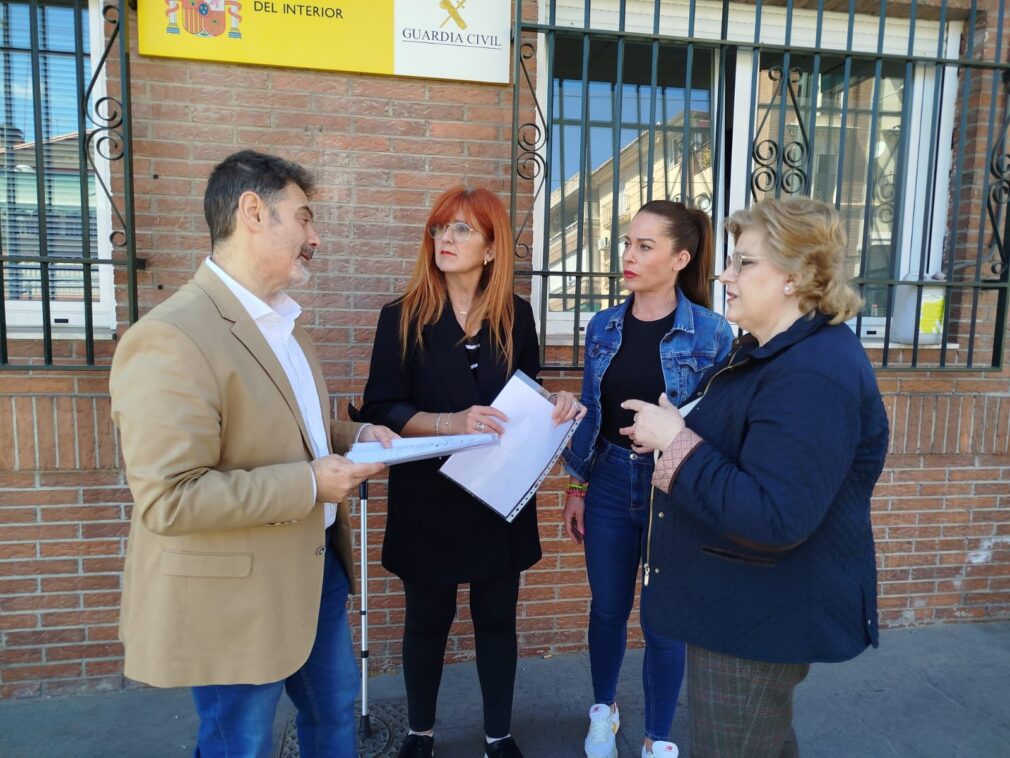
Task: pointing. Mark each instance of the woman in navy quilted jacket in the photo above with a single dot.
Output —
(760, 554)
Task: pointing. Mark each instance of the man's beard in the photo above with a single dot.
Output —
(304, 274)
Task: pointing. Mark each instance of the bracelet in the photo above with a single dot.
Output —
(577, 491)
(447, 416)
(438, 420)
(578, 486)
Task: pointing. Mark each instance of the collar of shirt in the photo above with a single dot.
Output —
(280, 317)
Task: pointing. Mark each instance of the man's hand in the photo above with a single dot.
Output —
(336, 476)
(383, 434)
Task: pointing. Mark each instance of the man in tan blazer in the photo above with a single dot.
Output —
(231, 586)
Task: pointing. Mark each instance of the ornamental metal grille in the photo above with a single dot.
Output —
(897, 114)
(66, 206)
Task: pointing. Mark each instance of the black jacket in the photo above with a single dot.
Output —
(435, 531)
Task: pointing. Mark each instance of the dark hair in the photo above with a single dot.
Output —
(247, 171)
(691, 230)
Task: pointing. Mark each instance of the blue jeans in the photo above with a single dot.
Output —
(616, 519)
(236, 720)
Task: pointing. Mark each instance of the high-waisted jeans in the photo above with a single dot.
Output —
(616, 519)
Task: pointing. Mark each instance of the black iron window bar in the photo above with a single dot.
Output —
(104, 135)
(784, 165)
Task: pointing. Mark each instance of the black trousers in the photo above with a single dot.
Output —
(431, 609)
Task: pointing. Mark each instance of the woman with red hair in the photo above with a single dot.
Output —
(442, 353)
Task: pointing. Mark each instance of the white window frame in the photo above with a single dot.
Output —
(24, 318)
(674, 21)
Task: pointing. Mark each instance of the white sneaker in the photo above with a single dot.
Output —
(661, 749)
(603, 725)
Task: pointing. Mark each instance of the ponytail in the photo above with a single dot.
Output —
(691, 230)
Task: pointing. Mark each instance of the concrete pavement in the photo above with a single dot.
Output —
(940, 691)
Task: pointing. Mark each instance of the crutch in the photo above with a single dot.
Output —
(365, 727)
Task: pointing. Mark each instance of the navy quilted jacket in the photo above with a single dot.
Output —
(763, 547)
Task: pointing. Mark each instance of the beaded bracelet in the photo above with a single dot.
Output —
(578, 489)
(438, 421)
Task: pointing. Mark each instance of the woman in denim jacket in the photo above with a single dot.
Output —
(659, 341)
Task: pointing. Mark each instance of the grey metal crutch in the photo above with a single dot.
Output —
(365, 727)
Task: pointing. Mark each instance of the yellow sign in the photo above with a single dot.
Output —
(441, 39)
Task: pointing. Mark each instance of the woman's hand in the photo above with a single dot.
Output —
(375, 433)
(477, 419)
(655, 425)
(566, 407)
(573, 514)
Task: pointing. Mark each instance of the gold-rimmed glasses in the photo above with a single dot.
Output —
(460, 231)
(737, 262)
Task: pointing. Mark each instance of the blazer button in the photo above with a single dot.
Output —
(320, 550)
(661, 514)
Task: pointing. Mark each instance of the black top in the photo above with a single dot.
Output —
(436, 532)
(634, 373)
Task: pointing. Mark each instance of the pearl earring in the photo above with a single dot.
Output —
(788, 289)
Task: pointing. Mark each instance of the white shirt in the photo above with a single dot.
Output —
(277, 325)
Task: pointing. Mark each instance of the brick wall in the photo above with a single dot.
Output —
(383, 149)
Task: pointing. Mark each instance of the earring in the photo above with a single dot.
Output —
(788, 289)
(486, 260)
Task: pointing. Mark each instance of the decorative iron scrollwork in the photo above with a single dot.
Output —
(106, 113)
(884, 192)
(702, 201)
(781, 166)
(996, 203)
(531, 138)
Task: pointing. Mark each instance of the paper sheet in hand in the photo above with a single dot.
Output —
(507, 475)
(409, 449)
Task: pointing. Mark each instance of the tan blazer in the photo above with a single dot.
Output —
(225, 556)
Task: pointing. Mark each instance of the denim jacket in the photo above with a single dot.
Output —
(697, 340)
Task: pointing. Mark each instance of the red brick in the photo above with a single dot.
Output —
(9, 621)
(41, 497)
(98, 633)
(36, 532)
(9, 515)
(33, 568)
(13, 656)
(18, 603)
(79, 548)
(44, 637)
(103, 668)
(25, 689)
(28, 673)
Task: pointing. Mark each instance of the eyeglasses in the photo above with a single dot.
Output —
(458, 230)
(737, 261)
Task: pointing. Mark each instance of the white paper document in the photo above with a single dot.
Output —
(409, 449)
(508, 474)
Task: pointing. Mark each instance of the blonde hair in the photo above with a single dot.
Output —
(805, 239)
(426, 293)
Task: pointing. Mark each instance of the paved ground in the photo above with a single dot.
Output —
(941, 691)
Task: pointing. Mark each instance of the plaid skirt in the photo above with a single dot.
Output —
(740, 708)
